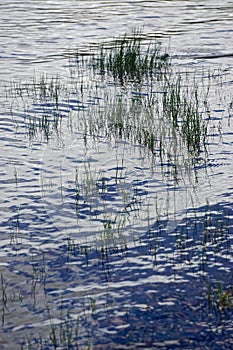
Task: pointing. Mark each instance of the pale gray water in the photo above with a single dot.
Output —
(42, 31)
(135, 299)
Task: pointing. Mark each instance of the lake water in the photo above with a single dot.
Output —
(104, 246)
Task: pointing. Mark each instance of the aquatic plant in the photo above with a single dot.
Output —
(172, 124)
(183, 108)
(127, 59)
(3, 299)
(112, 202)
(40, 89)
(167, 117)
(8, 295)
(220, 297)
(43, 125)
(64, 335)
(39, 105)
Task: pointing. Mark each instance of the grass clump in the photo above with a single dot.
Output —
(185, 111)
(42, 90)
(129, 60)
(220, 298)
(39, 105)
(171, 124)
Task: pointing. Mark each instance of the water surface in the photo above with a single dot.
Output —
(145, 262)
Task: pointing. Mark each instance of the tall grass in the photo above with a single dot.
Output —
(171, 124)
(39, 104)
(129, 60)
(165, 113)
(166, 116)
(186, 112)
